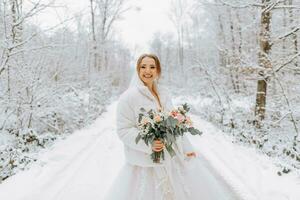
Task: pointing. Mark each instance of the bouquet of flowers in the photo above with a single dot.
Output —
(166, 127)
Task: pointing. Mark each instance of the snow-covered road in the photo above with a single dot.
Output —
(85, 164)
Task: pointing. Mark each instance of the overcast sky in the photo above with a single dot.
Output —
(135, 29)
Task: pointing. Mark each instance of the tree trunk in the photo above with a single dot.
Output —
(223, 52)
(15, 37)
(16, 27)
(94, 40)
(239, 55)
(233, 55)
(264, 62)
(294, 35)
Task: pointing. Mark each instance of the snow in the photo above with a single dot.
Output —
(84, 165)
(5, 138)
(251, 174)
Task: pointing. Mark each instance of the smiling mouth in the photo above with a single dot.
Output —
(148, 76)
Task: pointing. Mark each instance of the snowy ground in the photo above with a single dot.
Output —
(85, 164)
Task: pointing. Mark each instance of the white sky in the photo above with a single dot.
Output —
(135, 29)
(138, 27)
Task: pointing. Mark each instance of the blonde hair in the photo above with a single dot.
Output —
(154, 57)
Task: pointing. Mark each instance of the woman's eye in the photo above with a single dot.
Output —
(152, 67)
(143, 67)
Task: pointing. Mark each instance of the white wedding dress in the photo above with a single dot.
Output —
(176, 179)
(192, 180)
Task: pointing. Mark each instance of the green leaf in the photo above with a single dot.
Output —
(170, 138)
(173, 138)
(186, 107)
(171, 122)
(180, 132)
(142, 109)
(138, 138)
(194, 131)
(140, 117)
(170, 150)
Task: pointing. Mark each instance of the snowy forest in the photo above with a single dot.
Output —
(236, 63)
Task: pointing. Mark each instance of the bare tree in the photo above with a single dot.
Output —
(104, 14)
(94, 50)
(44, 75)
(293, 20)
(264, 60)
(178, 15)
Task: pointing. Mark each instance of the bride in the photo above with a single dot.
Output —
(182, 177)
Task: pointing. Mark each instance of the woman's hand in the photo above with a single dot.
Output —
(191, 154)
(157, 146)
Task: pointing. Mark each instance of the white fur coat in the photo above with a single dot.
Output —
(128, 109)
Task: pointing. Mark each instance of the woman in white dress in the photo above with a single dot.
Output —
(182, 177)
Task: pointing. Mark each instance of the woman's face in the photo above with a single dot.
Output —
(148, 71)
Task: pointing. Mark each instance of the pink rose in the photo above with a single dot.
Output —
(157, 118)
(144, 121)
(180, 118)
(174, 113)
(189, 121)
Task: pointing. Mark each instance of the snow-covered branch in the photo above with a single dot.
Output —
(240, 5)
(287, 62)
(285, 35)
